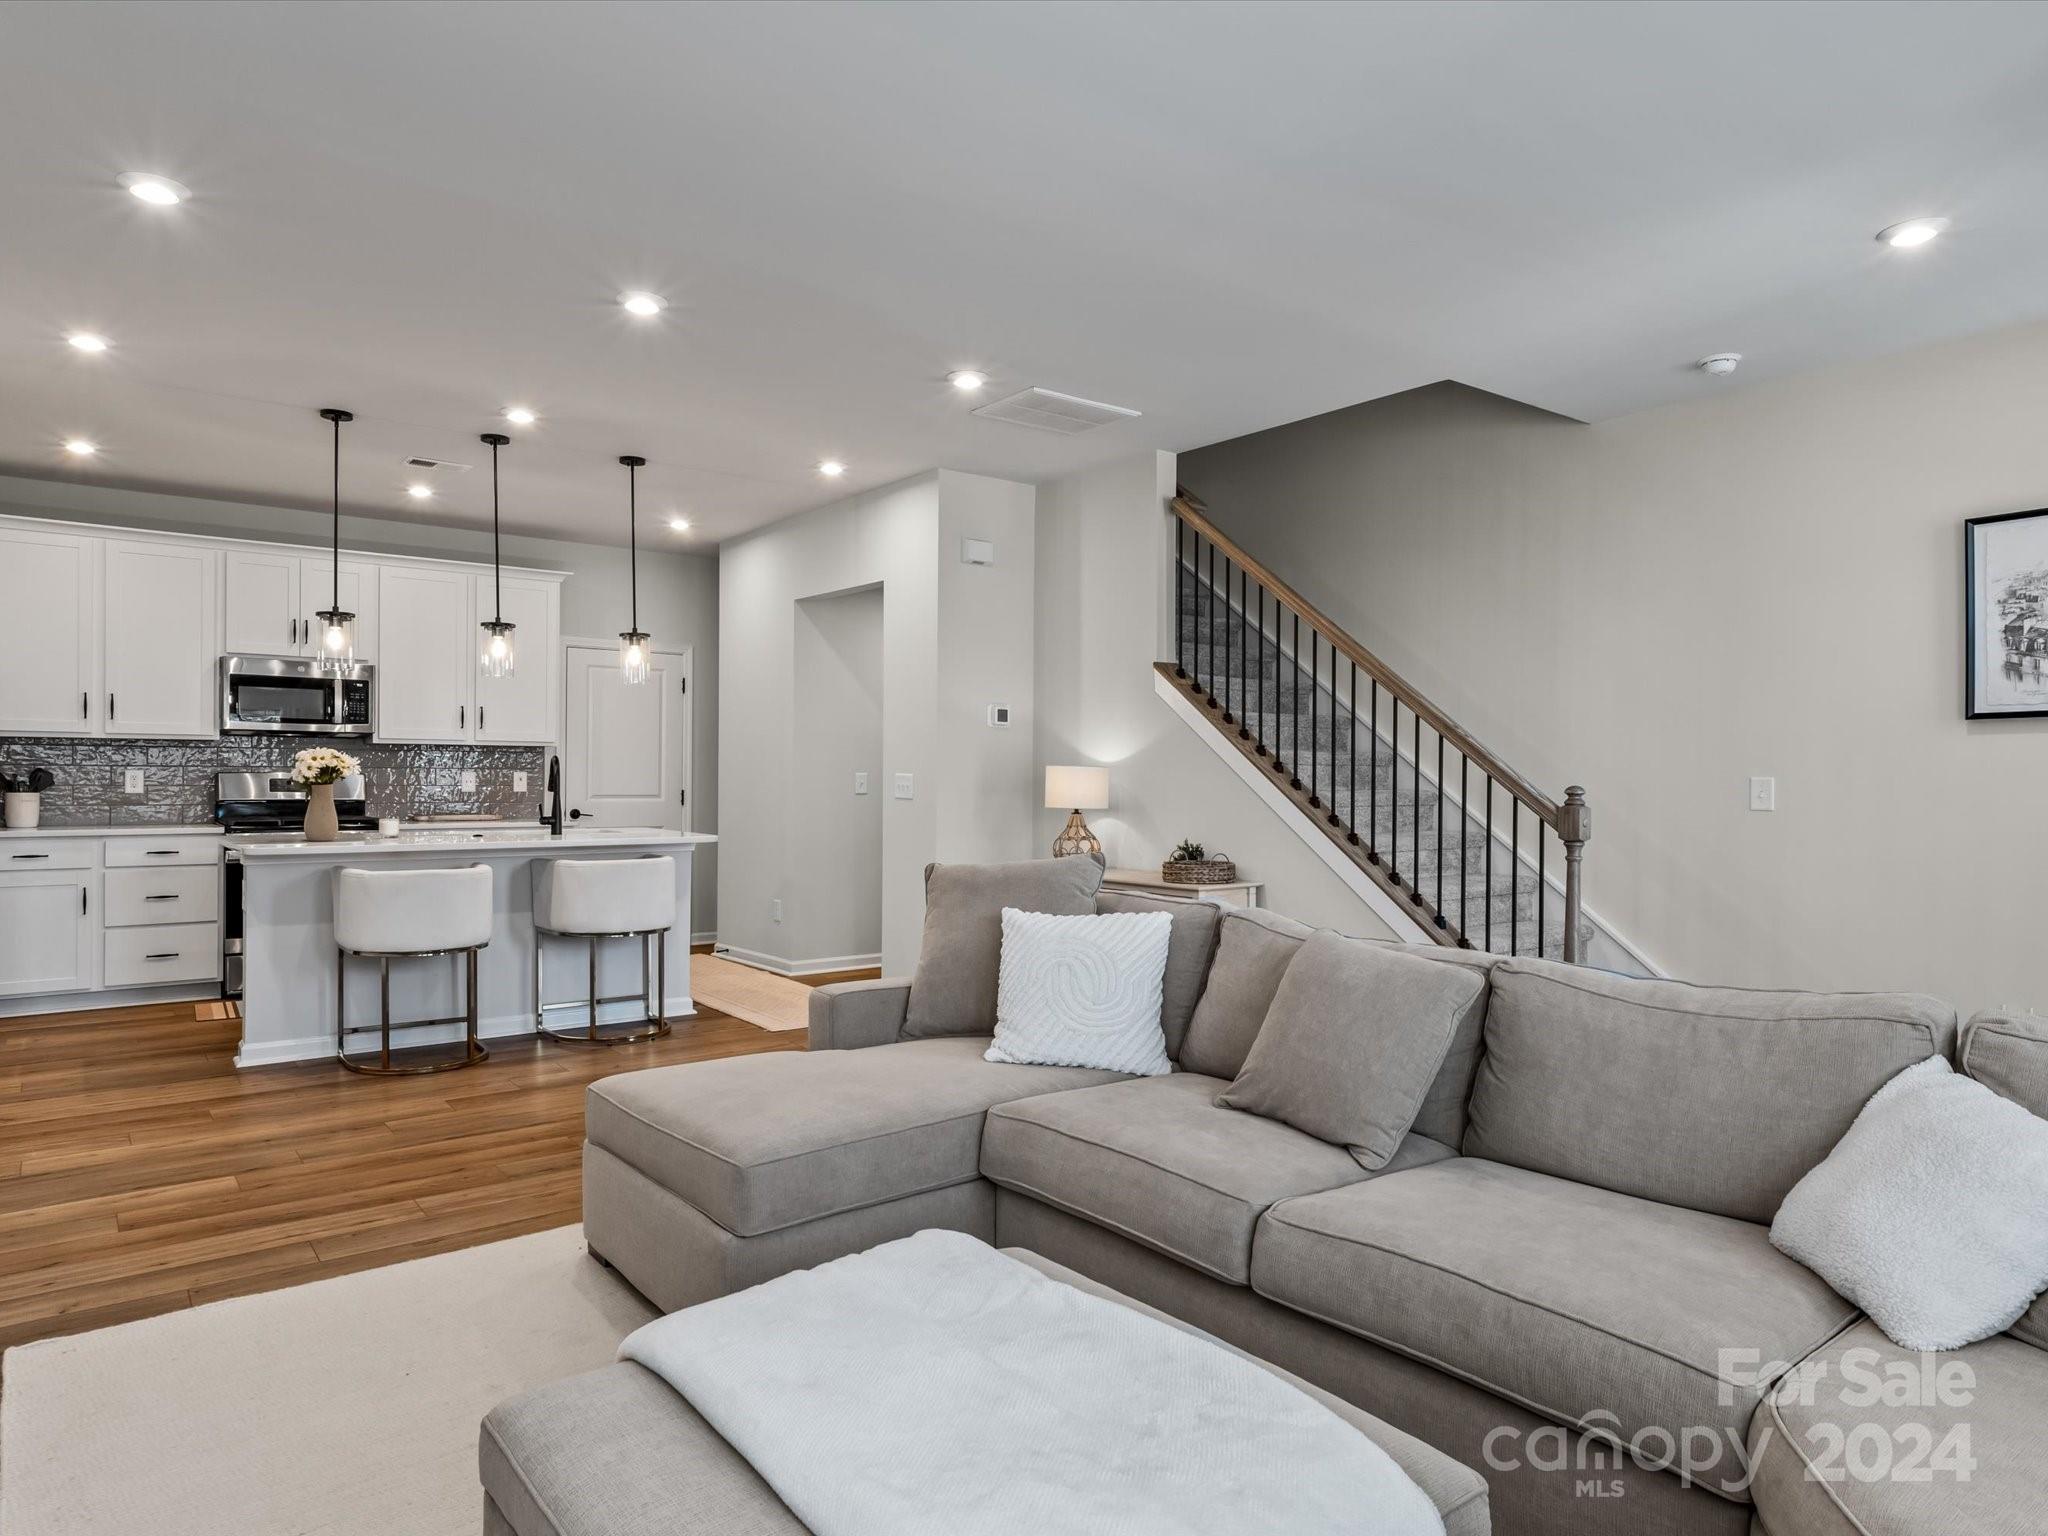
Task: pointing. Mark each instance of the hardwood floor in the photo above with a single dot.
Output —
(140, 1172)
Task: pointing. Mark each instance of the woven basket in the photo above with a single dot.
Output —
(1216, 871)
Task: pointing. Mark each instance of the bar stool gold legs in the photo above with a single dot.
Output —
(623, 1031)
(472, 1049)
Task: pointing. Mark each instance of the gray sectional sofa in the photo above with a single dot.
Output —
(1562, 1278)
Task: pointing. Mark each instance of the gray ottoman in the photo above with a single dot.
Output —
(618, 1453)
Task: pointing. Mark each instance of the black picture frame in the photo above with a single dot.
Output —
(2005, 627)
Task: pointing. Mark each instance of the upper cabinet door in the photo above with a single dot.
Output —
(358, 596)
(427, 637)
(49, 633)
(525, 708)
(261, 611)
(162, 639)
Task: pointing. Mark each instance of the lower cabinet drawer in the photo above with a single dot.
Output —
(161, 954)
(149, 852)
(188, 893)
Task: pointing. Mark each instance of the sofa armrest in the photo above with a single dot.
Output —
(846, 1015)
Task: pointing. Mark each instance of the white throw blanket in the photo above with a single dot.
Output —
(933, 1385)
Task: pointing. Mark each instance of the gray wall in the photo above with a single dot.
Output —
(678, 593)
(1765, 582)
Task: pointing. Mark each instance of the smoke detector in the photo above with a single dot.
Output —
(1050, 411)
(1720, 365)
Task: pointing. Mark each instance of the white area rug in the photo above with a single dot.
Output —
(347, 1407)
(760, 997)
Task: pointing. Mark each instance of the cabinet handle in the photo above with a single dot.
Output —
(85, 706)
(110, 704)
(291, 631)
(172, 897)
(479, 717)
(159, 853)
(29, 855)
(171, 956)
(461, 716)
(83, 896)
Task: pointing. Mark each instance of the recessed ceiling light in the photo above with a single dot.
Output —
(1914, 232)
(85, 341)
(680, 524)
(81, 447)
(419, 491)
(831, 469)
(519, 416)
(641, 303)
(160, 190)
(967, 380)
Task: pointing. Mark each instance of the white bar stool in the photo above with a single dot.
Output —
(409, 914)
(595, 899)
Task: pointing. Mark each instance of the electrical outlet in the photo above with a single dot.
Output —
(775, 909)
(131, 781)
(903, 786)
(468, 781)
(1763, 794)
(860, 783)
(518, 783)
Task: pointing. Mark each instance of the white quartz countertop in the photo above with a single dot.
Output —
(457, 838)
(154, 829)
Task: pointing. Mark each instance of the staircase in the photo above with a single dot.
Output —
(1474, 854)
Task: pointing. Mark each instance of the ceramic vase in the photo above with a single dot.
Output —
(321, 825)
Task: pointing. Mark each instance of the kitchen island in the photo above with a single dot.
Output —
(288, 992)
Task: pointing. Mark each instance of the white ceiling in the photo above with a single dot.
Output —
(1226, 216)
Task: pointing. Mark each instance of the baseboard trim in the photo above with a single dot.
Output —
(271, 1053)
(31, 1003)
(782, 966)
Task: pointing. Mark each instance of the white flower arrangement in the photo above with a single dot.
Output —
(323, 765)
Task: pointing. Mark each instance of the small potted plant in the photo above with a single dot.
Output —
(1190, 864)
(23, 797)
(319, 769)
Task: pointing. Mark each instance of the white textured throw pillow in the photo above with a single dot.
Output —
(1083, 991)
(1931, 1214)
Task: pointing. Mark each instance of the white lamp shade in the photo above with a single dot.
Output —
(1076, 789)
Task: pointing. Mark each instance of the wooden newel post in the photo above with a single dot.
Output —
(1574, 828)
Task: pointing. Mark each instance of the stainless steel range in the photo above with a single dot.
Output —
(266, 800)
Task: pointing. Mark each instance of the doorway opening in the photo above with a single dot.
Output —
(836, 792)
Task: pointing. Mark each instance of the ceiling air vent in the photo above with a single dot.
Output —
(420, 463)
(1050, 411)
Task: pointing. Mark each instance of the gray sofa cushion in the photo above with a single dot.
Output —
(1355, 1037)
(1253, 951)
(1713, 1098)
(1570, 1300)
(1805, 1483)
(759, 1143)
(1188, 952)
(1159, 1161)
(954, 989)
(2008, 1053)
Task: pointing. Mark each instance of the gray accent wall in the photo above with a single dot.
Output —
(1767, 581)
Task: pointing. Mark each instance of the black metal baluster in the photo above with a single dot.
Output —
(1394, 793)
(1440, 829)
(1259, 743)
(1351, 805)
(1244, 658)
(1294, 707)
(1209, 610)
(1180, 599)
(1227, 718)
(1464, 837)
(1315, 745)
(1415, 864)
(1372, 772)
(1515, 875)
(1541, 849)
(1489, 863)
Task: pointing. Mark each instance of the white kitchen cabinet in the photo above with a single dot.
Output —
(260, 609)
(358, 596)
(428, 637)
(49, 633)
(521, 710)
(162, 638)
(48, 931)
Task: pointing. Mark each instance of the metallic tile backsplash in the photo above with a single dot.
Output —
(178, 776)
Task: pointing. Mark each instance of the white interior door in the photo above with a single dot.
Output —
(626, 750)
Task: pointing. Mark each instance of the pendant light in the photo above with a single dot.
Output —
(337, 624)
(633, 650)
(497, 651)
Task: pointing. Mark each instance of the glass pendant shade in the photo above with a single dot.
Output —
(635, 644)
(496, 657)
(337, 645)
(635, 654)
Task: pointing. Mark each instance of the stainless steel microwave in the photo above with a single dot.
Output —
(292, 695)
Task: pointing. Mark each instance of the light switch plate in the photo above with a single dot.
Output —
(903, 786)
(977, 552)
(1763, 794)
(518, 783)
(131, 781)
(860, 783)
(999, 715)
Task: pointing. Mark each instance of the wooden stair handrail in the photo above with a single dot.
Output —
(1190, 511)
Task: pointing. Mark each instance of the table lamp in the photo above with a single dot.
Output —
(1078, 789)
